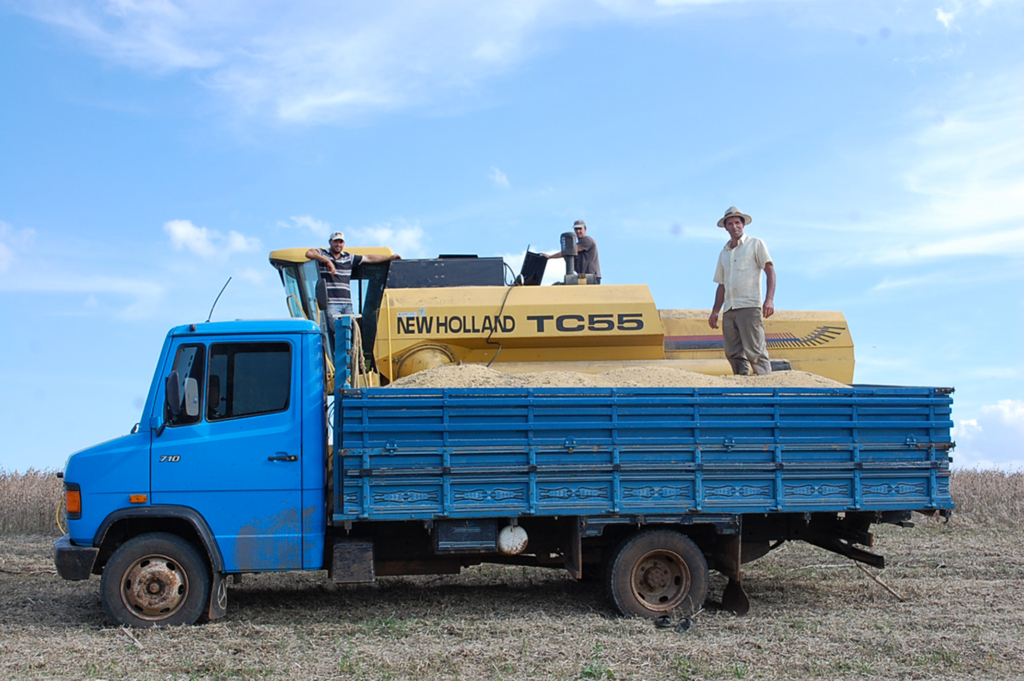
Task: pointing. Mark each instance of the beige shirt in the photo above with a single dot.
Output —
(739, 269)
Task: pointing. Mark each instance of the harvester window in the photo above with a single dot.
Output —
(300, 286)
(247, 379)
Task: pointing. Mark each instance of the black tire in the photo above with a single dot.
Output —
(657, 572)
(155, 580)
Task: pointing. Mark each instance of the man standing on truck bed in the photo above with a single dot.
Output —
(738, 276)
(335, 266)
(587, 261)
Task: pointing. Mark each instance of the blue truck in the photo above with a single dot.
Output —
(244, 463)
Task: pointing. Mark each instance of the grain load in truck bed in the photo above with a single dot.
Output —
(478, 376)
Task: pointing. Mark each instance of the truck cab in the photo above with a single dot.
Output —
(229, 456)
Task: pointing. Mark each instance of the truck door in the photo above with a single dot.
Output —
(233, 452)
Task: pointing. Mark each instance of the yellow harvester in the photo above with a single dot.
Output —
(420, 314)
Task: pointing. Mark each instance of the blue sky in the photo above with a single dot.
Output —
(151, 150)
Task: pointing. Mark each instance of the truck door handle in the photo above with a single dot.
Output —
(283, 457)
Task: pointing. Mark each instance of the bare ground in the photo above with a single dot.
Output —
(814, 616)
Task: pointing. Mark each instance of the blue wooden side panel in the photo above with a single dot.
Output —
(460, 453)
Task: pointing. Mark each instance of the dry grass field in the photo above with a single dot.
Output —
(29, 501)
(814, 615)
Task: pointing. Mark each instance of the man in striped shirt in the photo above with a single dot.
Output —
(335, 267)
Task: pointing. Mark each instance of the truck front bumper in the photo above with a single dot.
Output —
(73, 562)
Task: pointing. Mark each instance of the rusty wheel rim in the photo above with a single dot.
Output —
(154, 588)
(660, 581)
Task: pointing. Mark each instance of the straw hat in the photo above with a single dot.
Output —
(734, 211)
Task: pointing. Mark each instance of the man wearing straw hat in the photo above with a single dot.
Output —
(738, 276)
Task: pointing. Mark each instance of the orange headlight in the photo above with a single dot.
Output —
(73, 502)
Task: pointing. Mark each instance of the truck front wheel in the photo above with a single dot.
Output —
(657, 572)
(155, 580)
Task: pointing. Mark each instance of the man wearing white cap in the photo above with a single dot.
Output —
(738, 276)
(335, 266)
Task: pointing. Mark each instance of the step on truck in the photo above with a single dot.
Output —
(236, 469)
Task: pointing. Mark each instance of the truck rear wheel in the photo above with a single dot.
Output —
(657, 572)
(155, 580)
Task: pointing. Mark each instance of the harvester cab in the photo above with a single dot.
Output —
(306, 293)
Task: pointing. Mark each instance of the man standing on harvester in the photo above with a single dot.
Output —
(335, 266)
(738, 276)
(587, 261)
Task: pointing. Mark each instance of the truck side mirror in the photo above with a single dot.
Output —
(321, 294)
(191, 397)
(172, 395)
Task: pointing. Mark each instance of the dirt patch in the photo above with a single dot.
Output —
(478, 376)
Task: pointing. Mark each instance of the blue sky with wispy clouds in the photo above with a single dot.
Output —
(151, 150)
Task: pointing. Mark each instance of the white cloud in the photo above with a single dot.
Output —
(141, 34)
(974, 274)
(6, 257)
(322, 60)
(13, 241)
(1004, 243)
(239, 243)
(499, 178)
(207, 243)
(25, 272)
(945, 18)
(312, 61)
(995, 439)
(186, 235)
(890, 283)
(318, 227)
(405, 240)
(142, 294)
(673, 4)
(958, 182)
(254, 276)
(968, 162)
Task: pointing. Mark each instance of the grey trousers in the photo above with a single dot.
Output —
(743, 333)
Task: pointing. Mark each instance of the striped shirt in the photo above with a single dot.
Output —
(339, 287)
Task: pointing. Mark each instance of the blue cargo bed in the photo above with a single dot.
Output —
(507, 452)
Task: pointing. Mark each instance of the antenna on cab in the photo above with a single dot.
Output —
(217, 299)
